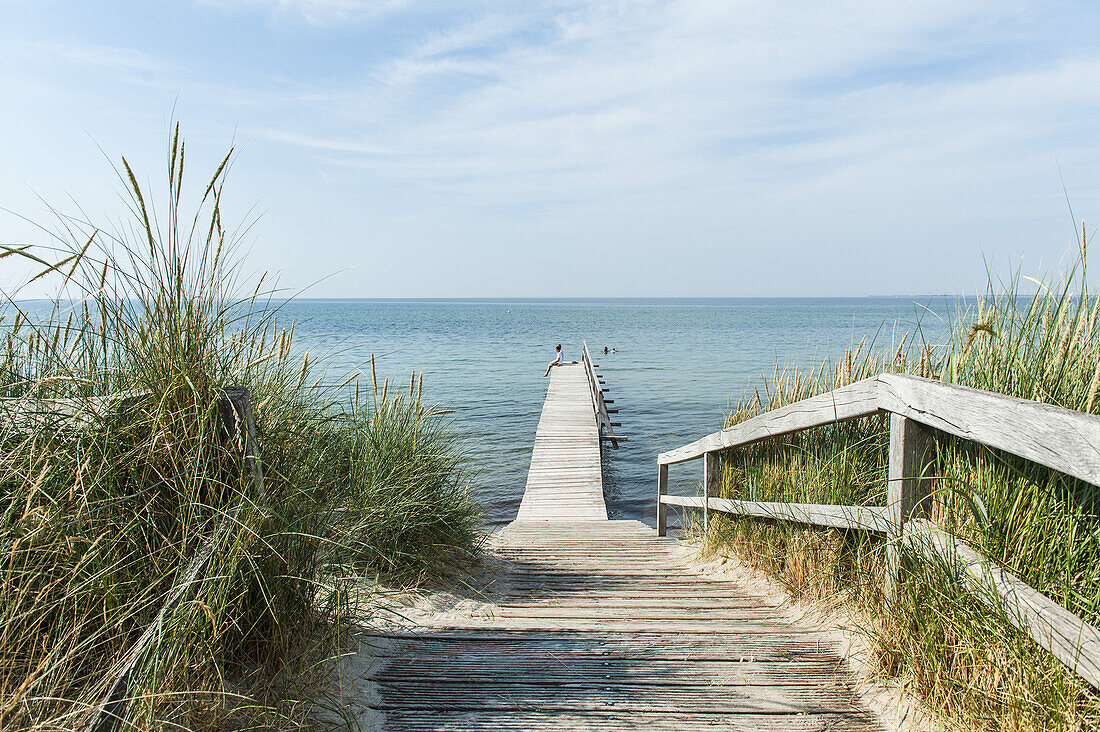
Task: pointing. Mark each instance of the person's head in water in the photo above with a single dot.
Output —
(605, 349)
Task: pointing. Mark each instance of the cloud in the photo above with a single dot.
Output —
(645, 90)
(101, 57)
(317, 12)
(699, 122)
(339, 146)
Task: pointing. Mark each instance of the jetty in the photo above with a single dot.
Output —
(603, 624)
(565, 482)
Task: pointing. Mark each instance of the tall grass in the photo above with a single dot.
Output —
(100, 517)
(946, 646)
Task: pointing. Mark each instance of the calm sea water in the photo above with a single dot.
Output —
(678, 366)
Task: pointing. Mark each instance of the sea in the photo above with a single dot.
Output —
(677, 368)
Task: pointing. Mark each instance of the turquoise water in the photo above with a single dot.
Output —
(677, 367)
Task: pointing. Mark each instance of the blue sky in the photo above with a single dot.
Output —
(414, 148)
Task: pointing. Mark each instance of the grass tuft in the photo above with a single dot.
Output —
(103, 508)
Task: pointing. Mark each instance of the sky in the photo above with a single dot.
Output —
(679, 148)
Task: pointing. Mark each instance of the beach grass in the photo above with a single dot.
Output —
(943, 644)
(102, 514)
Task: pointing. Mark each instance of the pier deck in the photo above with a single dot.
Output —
(564, 481)
(583, 623)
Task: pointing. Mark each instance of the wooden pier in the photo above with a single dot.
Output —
(598, 624)
(565, 481)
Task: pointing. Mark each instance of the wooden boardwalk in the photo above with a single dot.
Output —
(594, 624)
(565, 481)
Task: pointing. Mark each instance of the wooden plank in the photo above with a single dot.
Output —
(443, 720)
(732, 643)
(547, 669)
(1067, 637)
(597, 626)
(642, 599)
(866, 518)
(565, 478)
(597, 612)
(65, 415)
(712, 478)
(1058, 438)
(849, 402)
(435, 694)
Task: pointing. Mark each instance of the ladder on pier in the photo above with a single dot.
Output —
(596, 624)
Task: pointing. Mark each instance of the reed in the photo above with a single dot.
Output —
(966, 662)
(100, 519)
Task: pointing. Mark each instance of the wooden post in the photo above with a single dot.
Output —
(662, 491)
(239, 425)
(909, 487)
(712, 477)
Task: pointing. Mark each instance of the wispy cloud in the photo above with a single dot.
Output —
(327, 145)
(90, 55)
(704, 122)
(320, 12)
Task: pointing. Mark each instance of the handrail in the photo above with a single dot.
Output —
(238, 428)
(855, 400)
(603, 419)
(1058, 438)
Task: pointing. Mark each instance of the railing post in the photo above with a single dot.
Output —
(711, 480)
(238, 424)
(909, 490)
(662, 491)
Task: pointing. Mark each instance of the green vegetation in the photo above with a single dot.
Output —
(963, 660)
(99, 520)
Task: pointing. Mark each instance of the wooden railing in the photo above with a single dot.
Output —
(1058, 438)
(599, 404)
(238, 431)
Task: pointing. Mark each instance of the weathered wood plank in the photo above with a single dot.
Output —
(532, 721)
(866, 518)
(1067, 637)
(565, 478)
(583, 695)
(64, 415)
(789, 644)
(580, 625)
(849, 402)
(1058, 438)
(547, 669)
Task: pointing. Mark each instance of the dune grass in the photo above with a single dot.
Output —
(943, 644)
(101, 517)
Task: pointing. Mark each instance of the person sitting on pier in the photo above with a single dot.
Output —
(556, 362)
